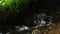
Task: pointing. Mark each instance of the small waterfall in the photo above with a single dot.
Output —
(22, 28)
(42, 19)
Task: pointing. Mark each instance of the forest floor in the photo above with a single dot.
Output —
(52, 29)
(55, 29)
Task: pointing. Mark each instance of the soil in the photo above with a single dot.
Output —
(51, 29)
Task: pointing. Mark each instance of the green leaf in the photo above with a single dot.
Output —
(12, 6)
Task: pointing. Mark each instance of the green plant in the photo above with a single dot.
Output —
(12, 6)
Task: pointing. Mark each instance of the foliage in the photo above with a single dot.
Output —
(12, 6)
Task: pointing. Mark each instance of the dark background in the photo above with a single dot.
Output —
(25, 16)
